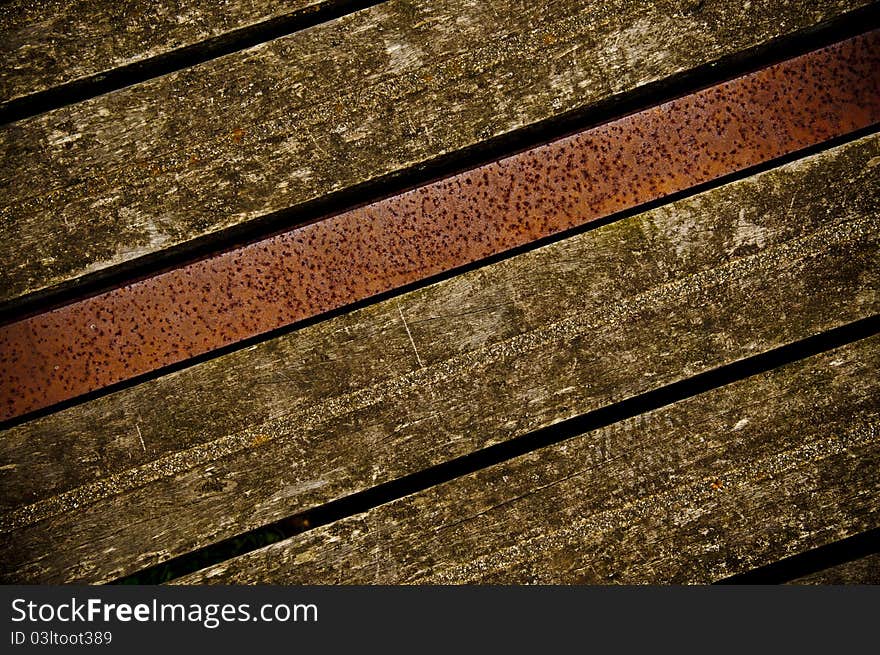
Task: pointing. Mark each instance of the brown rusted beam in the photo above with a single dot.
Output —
(312, 269)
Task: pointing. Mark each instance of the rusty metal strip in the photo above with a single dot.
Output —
(168, 318)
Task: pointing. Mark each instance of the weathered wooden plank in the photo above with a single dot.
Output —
(158, 164)
(457, 316)
(127, 480)
(54, 42)
(710, 486)
(865, 570)
(274, 282)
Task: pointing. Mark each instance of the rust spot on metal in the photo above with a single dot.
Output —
(168, 318)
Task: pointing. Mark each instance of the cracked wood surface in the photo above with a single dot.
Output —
(256, 435)
(53, 42)
(131, 173)
(723, 482)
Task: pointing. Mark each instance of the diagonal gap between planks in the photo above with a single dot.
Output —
(486, 151)
(812, 561)
(571, 535)
(234, 296)
(305, 520)
(446, 275)
(447, 471)
(97, 84)
(822, 282)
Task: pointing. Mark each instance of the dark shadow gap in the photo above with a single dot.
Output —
(98, 84)
(367, 302)
(812, 561)
(611, 108)
(435, 475)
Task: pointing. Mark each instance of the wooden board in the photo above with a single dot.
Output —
(864, 570)
(714, 485)
(284, 279)
(135, 172)
(253, 436)
(54, 42)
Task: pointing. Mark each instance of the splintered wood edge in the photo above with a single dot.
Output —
(708, 487)
(554, 333)
(158, 164)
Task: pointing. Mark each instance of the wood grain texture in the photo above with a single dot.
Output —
(234, 443)
(53, 42)
(714, 485)
(278, 281)
(865, 570)
(130, 173)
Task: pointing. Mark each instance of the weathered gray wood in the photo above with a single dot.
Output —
(52, 42)
(161, 163)
(702, 489)
(245, 439)
(865, 570)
